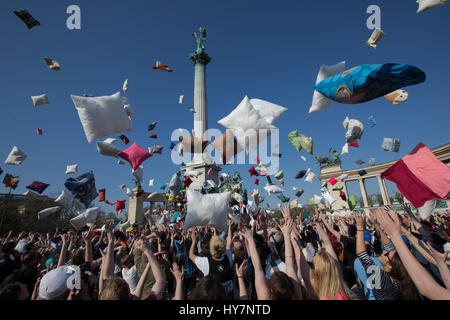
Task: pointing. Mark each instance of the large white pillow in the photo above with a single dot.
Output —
(244, 119)
(320, 102)
(65, 198)
(102, 116)
(71, 168)
(138, 173)
(273, 189)
(88, 216)
(207, 210)
(46, 212)
(40, 100)
(355, 130)
(426, 210)
(425, 5)
(107, 149)
(269, 111)
(15, 157)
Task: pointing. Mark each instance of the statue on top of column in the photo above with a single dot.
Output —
(200, 46)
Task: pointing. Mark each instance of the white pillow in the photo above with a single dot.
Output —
(138, 173)
(65, 198)
(269, 111)
(279, 175)
(71, 168)
(238, 197)
(15, 157)
(344, 149)
(110, 140)
(327, 196)
(244, 119)
(129, 112)
(310, 177)
(207, 210)
(151, 183)
(345, 122)
(125, 86)
(317, 199)
(427, 209)
(175, 185)
(342, 177)
(212, 183)
(107, 149)
(123, 226)
(40, 100)
(46, 212)
(102, 116)
(355, 130)
(425, 5)
(88, 216)
(320, 102)
(273, 189)
(130, 193)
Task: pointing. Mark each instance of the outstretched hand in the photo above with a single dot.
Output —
(440, 258)
(389, 222)
(177, 273)
(240, 270)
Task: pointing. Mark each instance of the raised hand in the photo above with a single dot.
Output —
(240, 270)
(89, 235)
(441, 258)
(389, 222)
(360, 221)
(177, 273)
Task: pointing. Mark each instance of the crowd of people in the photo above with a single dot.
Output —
(364, 255)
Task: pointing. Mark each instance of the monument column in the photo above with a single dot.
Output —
(201, 60)
(363, 192)
(382, 191)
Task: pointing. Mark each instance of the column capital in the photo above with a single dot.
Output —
(202, 58)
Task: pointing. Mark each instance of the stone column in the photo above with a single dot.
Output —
(383, 191)
(136, 209)
(200, 101)
(363, 192)
(386, 192)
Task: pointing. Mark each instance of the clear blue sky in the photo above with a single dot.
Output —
(270, 50)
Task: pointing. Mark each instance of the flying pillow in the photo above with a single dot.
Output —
(310, 176)
(126, 85)
(283, 198)
(72, 168)
(369, 81)
(207, 210)
(88, 216)
(187, 181)
(151, 182)
(40, 100)
(279, 175)
(107, 149)
(135, 155)
(246, 120)
(320, 102)
(355, 130)
(123, 226)
(64, 199)
(83, 188)
(102, 116)
(175, 184)
(130, 112)
(269, 111)
(11, 181)
(397, 97)
(129, 193)
(427, 209)
(27, 18)
(138, 173)
(120, 204)
(425, 5)
(227, 145)
(273, 189)
(299, 193)
(38, 186)
(327, 196)
(372, 121)
(15, 157)
(376, 37)
(156, 149)
(124, 139)
(390, 144)
(46, 212)
(295, 140)
(192, 144)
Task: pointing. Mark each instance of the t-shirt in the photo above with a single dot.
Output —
(362, 275)
(349, 258)
(131, 277)
(223, 270)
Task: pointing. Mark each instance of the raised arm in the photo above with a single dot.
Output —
(229, 236)
(88, 257)
(329, 226)
(360, 227)
(179, 277)
(262, 291)
(192, 256)
(63, 252)
(326, 241)
(286, 229)
(240, 270)
(421, 278)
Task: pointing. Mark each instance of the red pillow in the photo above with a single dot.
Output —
(135, 155)
(253, 172)
(120, 204)
(354, 144)
(187, 181)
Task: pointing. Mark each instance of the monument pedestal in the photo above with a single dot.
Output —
(197, 182)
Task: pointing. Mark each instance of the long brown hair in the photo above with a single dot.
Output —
(406, 285)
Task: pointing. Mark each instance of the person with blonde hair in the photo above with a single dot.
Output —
(219, 265)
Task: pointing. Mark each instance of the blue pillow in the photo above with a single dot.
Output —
(369, 81)
(83, 188)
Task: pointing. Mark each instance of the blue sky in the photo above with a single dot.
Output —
(270, 50)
